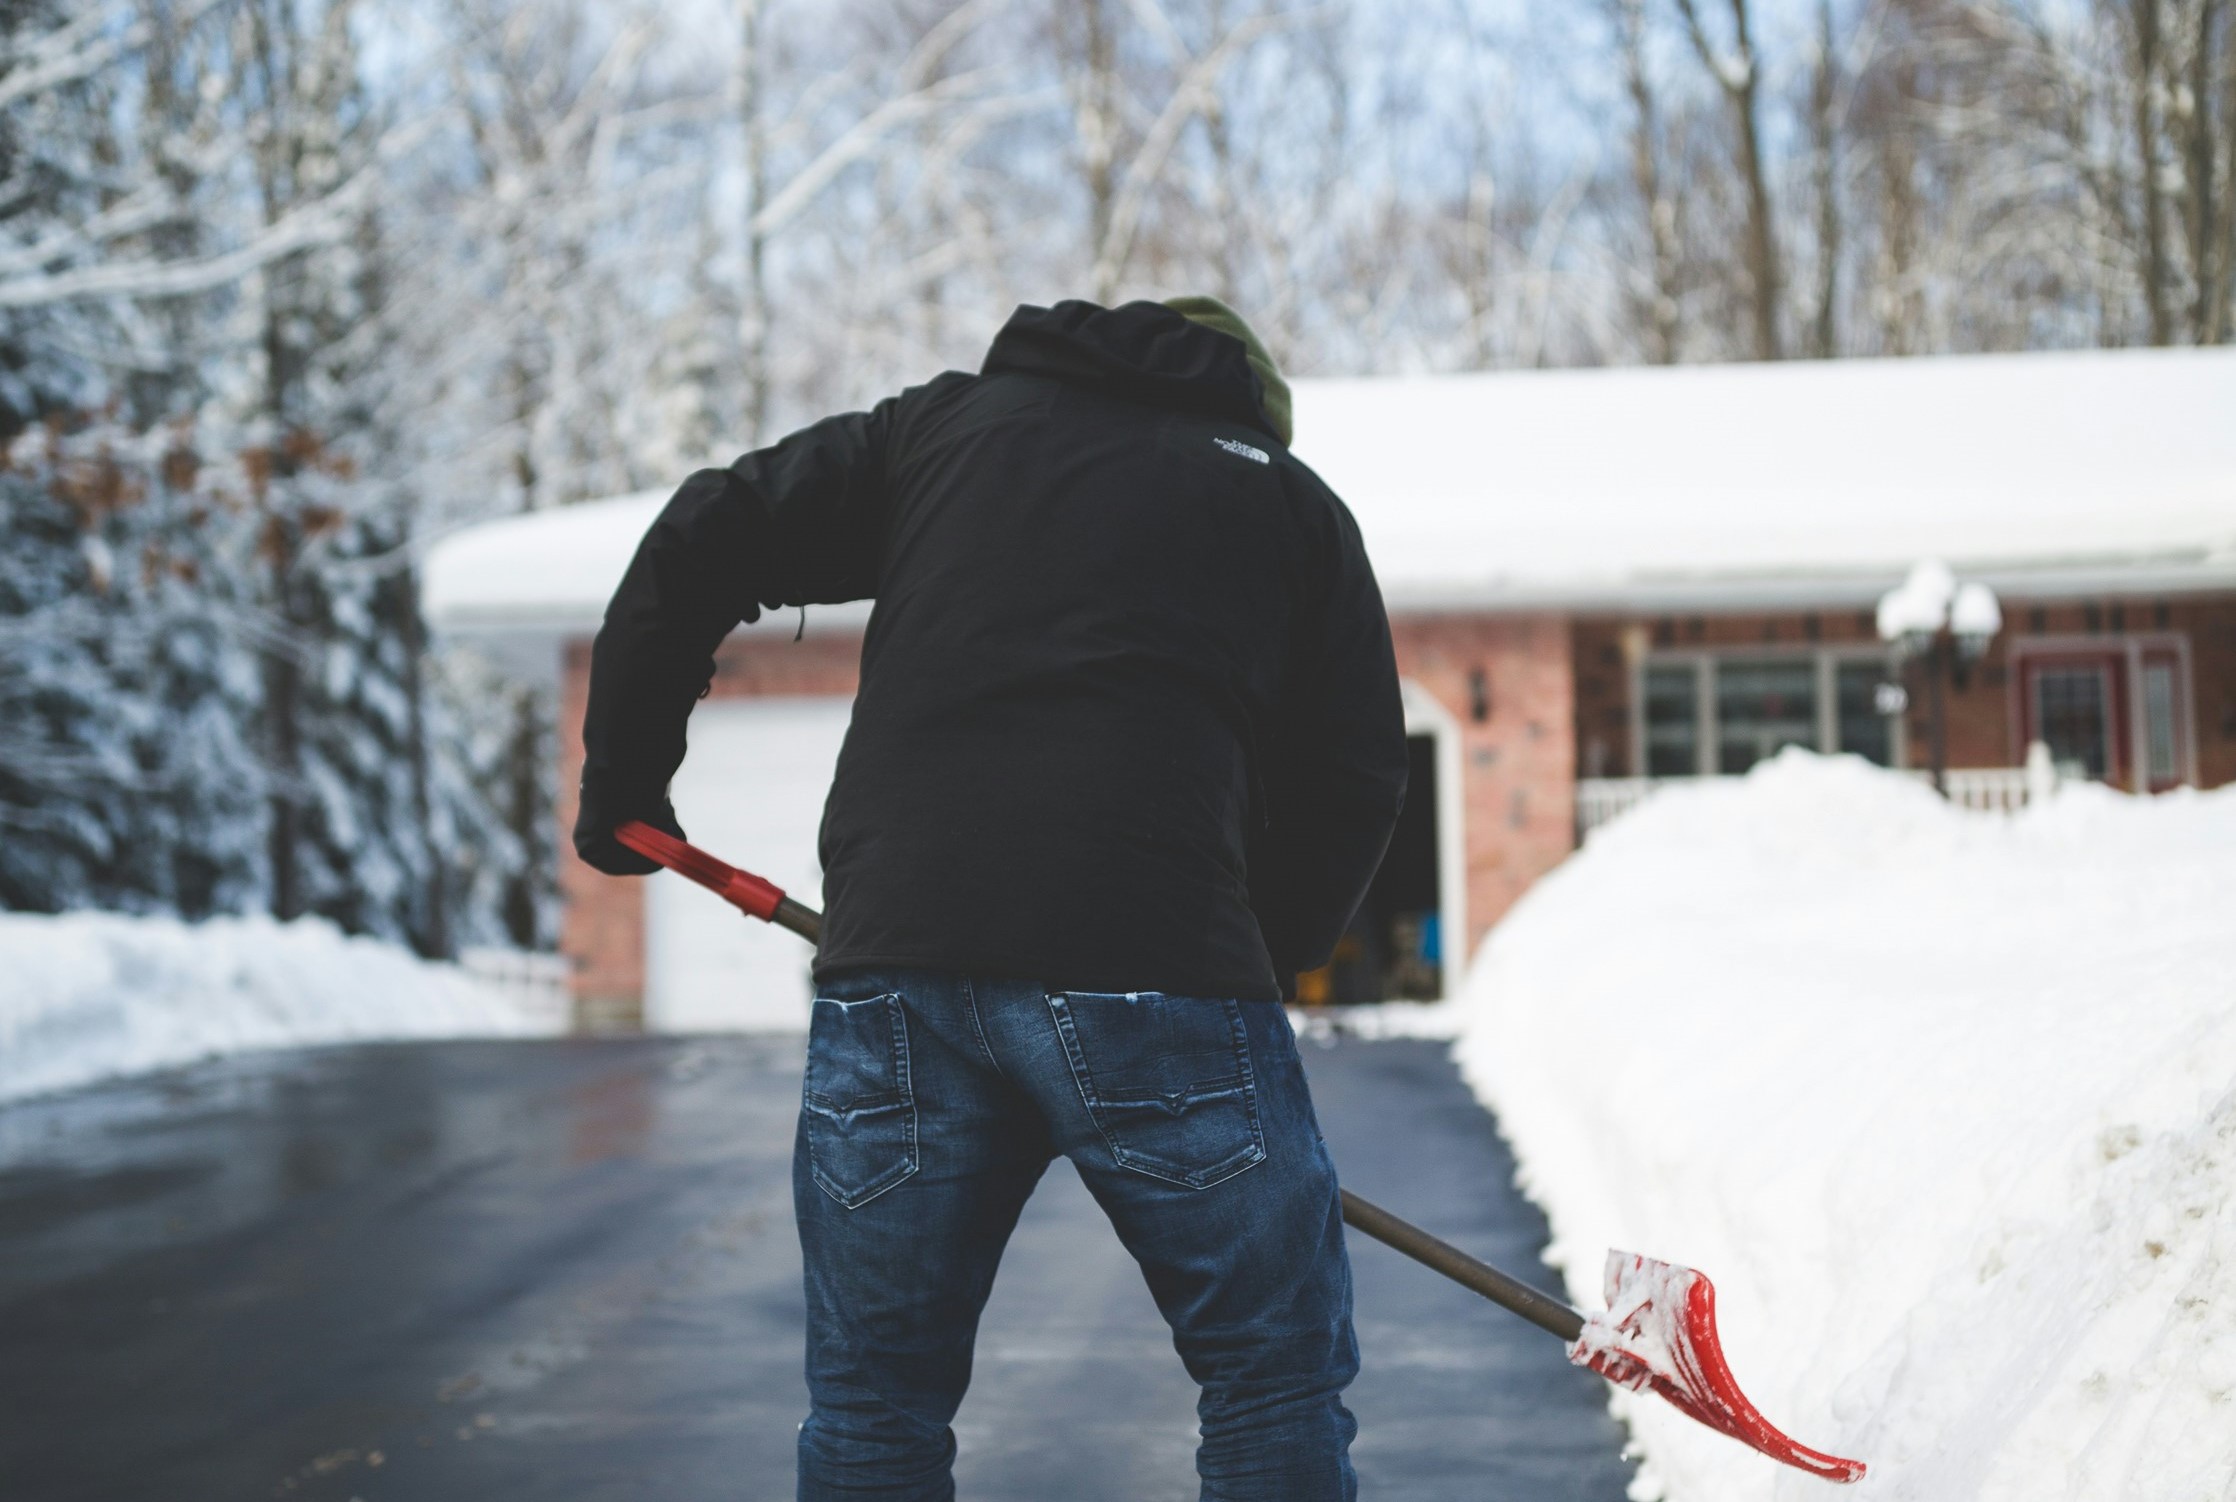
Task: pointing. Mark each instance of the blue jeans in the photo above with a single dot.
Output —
(931, 1107)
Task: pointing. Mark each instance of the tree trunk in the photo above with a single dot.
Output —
(1098, 132)
(753, 305)
(1477, 267)
(1824, 133)
(2201, 213)
(2223, 324)
(2145, 83)
(1894, 297)
(283, 747)
(2212, 171)
(269, 65)
(1762, 247)
(1740, 78)
(431, 933)
(527, 814)
(1663, 333)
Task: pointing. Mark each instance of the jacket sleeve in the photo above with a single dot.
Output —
(1335, 774)
(799, 523)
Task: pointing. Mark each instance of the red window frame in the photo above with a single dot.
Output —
(2123, 660)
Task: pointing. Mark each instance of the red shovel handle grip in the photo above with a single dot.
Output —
(743, 890)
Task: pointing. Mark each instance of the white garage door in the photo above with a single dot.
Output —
(751, 791)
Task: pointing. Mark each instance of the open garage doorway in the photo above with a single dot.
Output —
(1400, 945)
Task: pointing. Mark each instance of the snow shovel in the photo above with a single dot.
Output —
(1658, 1334)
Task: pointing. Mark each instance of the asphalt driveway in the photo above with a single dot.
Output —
(566, 1270)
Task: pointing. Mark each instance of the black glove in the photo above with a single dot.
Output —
(604, 809)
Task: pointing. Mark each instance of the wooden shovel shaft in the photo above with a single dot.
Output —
(802, 920)
(1539, 1309)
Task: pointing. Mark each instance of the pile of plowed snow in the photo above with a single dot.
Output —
(88, 995)
(1944, 1102)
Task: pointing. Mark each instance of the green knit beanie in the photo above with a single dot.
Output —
(1214, 314)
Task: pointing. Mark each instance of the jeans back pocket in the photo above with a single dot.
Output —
(857, 1104)
(1167, 1080)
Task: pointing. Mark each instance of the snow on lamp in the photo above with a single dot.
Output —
(1916, 611)
(1975, 616)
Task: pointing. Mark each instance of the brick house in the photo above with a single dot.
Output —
(1598, 581)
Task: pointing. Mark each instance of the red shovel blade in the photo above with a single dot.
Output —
(1659, 1335)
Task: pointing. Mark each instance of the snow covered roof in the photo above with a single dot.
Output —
(1727, 486)
(549, 570)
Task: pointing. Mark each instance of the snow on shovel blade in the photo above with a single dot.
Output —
(1659, 1335)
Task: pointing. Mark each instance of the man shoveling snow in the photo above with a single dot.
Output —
(1126, 753)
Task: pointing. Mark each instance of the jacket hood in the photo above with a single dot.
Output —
(1141, 350)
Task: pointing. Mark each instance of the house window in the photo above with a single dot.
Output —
(1860, 725)
(1762, 707)
(1672, 694)
(2158, 722)
(2073, 717)
(2114, 711)
(1711, 712)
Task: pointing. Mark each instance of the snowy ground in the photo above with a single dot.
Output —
(1944, 1102)
(88, 995)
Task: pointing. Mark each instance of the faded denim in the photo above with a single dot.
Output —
(931, 1106)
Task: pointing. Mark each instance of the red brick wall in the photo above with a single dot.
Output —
(1517, 763)
(1982, 727)
(2211, 625)
(601, 918)
(762, 664)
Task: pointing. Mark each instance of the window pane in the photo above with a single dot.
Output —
(1762, 707)
(1863, 730)
(1672, 720)
(2072, 719)
(2158, 719)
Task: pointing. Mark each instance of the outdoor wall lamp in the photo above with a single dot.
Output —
(1975, 616)
(1939, 627)
(1478, 695)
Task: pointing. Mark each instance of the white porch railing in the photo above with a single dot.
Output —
(1601, 799)
(535, 982)
(1993, 790)
(1998, 790)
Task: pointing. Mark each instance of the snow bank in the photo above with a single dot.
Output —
(1944, 1102)
(88, 995)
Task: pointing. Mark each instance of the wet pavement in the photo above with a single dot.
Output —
(566, 1270)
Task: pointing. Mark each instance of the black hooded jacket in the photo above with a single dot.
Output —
(1128, 716)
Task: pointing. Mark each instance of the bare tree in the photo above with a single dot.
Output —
(1657, 209)
(2202, 123)
(1090, 37)
(753, 293)
(2144, 37)
(1135, 92)
(1824, 176)
(1738, 73)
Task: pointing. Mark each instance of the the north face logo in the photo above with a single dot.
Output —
(1237, 446)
